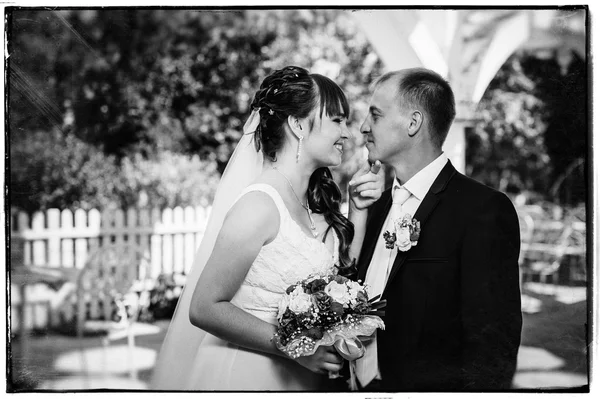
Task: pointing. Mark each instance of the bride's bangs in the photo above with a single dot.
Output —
(332, 98)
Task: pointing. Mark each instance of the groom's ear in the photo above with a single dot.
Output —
(415, 122)
(295, 126)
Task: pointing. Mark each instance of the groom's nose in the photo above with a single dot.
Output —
(365, 128)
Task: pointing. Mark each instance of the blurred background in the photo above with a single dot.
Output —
(120, 122)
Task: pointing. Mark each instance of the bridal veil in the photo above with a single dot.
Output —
(178, 351)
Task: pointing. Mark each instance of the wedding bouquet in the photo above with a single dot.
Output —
(327, 310)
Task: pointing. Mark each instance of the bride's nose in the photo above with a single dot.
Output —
(345, 132)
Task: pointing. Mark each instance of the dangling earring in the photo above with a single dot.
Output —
(300, 138)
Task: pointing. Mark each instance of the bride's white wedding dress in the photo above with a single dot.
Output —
(290, 257)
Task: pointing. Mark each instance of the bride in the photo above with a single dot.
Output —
(276, 220)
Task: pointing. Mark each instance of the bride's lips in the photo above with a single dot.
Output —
(339, 147)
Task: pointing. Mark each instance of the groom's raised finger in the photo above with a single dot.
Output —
(375, 167)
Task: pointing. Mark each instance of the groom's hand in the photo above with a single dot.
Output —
(326, 359)
(366, 186)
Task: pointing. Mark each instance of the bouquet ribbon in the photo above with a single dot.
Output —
(350, 349)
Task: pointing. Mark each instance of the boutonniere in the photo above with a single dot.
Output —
(405, 235)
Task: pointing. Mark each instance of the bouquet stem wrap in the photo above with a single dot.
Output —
(351, 350)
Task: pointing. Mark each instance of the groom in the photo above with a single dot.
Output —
(453, 316)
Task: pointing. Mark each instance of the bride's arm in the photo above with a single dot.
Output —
(250, 224)
(364, 189)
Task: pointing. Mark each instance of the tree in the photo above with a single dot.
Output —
(506, 148)
(564, 93)
(532, 127)
(54, 170)
(139, 83)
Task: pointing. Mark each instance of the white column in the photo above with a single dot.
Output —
(455, 144)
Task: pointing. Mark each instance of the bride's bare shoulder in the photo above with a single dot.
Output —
(255, 209)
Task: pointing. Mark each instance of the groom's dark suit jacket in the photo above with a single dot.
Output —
(453, 316)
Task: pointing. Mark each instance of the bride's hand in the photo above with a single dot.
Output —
(325, 359)
(366, 186)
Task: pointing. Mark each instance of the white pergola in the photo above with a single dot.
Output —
(468, 47)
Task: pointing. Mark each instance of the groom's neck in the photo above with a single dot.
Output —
(413, 161)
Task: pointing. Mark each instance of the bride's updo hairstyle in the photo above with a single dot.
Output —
(292, 91)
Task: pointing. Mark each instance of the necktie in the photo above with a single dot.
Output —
(399, 197)
(367, 366)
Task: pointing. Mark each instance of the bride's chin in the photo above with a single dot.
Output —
(337, 159)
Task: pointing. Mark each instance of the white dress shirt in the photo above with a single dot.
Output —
(383, 258)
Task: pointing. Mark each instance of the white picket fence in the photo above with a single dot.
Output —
(64, 238)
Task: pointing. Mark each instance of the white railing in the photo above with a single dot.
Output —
(58, 238)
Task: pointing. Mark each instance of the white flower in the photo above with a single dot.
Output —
(338, 292)
(300, 302)
(283, 305)
(405, 235)
(403, 239)
(353, 289)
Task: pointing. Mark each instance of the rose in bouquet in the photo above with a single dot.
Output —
(327, 310)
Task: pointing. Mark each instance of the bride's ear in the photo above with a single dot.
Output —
(295, 126)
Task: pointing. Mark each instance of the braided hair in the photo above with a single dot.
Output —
(292, 91)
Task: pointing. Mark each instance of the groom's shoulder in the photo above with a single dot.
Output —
(468, 187)
(469, 183)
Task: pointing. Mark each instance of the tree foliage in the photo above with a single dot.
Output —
(61, 170)
(532, 128)
(564, 94)
(140, 86)
(126, 107)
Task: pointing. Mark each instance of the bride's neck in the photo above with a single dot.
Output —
(298, 174)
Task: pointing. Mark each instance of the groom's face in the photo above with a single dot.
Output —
(385, 127)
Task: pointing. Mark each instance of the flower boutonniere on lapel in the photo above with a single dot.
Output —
(405, 235)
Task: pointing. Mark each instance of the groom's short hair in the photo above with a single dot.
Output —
(428, 91)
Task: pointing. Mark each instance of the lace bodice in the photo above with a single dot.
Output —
(292, 256)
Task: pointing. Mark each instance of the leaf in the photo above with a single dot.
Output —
(379, 304)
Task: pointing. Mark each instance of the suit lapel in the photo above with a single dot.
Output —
(380, 211)
(422, 214)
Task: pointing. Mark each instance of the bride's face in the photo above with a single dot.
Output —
(324, 144)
